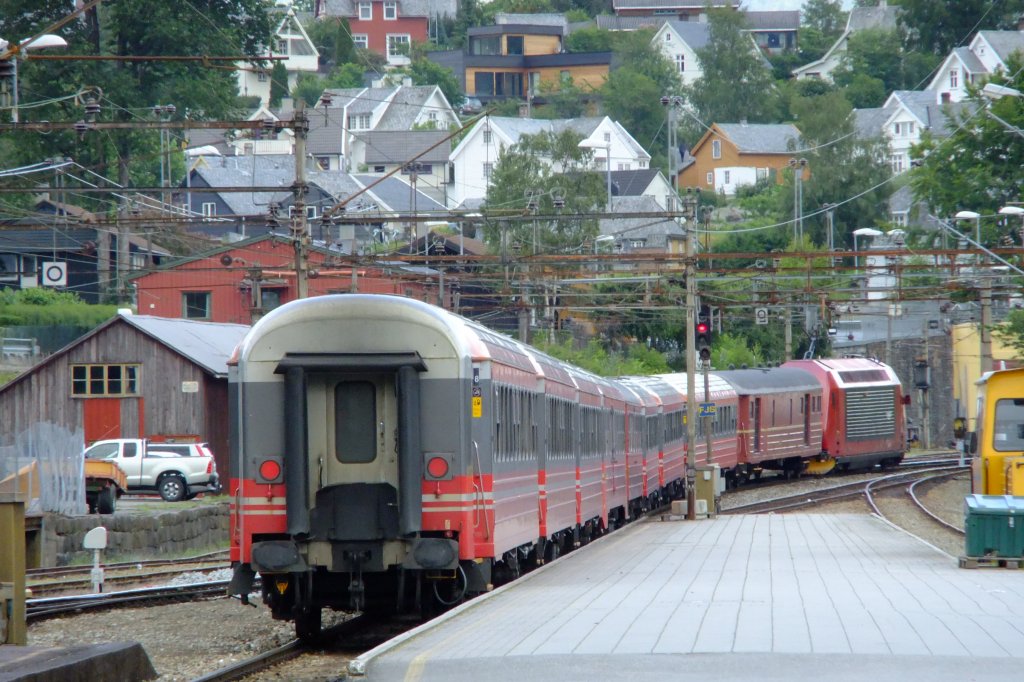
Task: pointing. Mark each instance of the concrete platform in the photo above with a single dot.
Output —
(120, 661)
(768, 597)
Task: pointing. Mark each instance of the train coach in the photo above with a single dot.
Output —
(394, 457)
(997, 445)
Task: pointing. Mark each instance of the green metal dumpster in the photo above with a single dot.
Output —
(994, 525)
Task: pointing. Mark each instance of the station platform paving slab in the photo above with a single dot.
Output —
(758, 597)
(116, 662)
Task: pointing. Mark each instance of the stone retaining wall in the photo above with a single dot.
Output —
(154, 534)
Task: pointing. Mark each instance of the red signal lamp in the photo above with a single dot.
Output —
(702, 327)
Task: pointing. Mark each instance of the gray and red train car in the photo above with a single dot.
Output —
(392, 456)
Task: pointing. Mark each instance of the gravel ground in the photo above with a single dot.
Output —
(185, 641)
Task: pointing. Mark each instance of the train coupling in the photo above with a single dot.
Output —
(819, 466)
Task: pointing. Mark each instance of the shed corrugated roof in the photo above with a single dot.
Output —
(397, 195)
(207, 344)
(779, 20)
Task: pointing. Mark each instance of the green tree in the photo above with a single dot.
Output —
(843, 169)
(528, 166)
(137, 28)
(876, 54)
(345, 76)
(278, 83)
(591, 39)
(735, 83)
(564, 100)
(426, 72)
(826, 16)
(937, 26)
(1011, 331)
(308, 88)
(632, 94)
(332, 37)
(978, 165)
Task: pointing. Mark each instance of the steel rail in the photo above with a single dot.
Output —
(928, 512)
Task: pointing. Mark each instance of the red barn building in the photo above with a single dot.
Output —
(240, 282)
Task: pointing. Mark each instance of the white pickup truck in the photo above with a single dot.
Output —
(178, 471)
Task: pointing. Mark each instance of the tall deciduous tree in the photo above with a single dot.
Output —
(632, 94)
(735, 82)
(134, 28)
(938, 26)
(843, 169)
(529, 166)
(826, 16)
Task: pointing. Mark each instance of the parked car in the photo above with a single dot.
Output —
(178, 471)
(471, 105)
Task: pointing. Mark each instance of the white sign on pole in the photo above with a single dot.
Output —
(55, 274)
(761, 315)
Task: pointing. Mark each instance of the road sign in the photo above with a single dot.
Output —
(761, 315)
(706, 410)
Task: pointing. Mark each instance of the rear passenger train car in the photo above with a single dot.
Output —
(394, 456)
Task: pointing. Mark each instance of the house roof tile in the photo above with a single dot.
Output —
(762, 138)
(400, 146)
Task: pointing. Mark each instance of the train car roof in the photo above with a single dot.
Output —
(717, 387)
(656, 386)
(756, 381)
(1000, 375)
(851, 371)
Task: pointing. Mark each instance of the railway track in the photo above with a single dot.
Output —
(46, 607)
(329, 653)
(843, 491)
(55, 581)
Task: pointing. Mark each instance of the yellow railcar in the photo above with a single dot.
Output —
(998, 441)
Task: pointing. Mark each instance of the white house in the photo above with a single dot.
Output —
(479, 151)
(984, 56)
(860, 18)
(291, 41)
(679, 42)
(905, 115)
(342, 118)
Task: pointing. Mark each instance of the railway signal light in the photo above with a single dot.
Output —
(704, 333)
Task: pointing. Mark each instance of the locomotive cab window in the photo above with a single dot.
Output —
(1008, 434)
(355, 404)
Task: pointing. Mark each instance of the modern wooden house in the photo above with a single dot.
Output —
(134, 376)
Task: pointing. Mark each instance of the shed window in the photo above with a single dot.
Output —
(105, 380)
(195, 305)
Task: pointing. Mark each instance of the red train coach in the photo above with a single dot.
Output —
(394, 456)
(863, 411)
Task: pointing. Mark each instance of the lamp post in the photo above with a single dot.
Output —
(607, 147)
(1017, 211)
(9, 54)
(863, 232)
(798, 166)
(976, 217)
(164, 112)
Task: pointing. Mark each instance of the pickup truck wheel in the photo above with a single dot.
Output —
(106, 501)
(172, 488)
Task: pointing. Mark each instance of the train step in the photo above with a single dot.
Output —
(991, 562)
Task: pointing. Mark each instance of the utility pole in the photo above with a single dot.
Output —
(299, 225)
(986, 325)
(788, 332)
(690, 217)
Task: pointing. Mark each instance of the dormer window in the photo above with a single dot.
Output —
(668, 37)
(716, 149)
(954, 78)
(365, 11)
(390, 10)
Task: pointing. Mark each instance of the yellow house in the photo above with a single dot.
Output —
(967, 365)
(732, 154)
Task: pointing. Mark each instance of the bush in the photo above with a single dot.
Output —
(42, 306)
